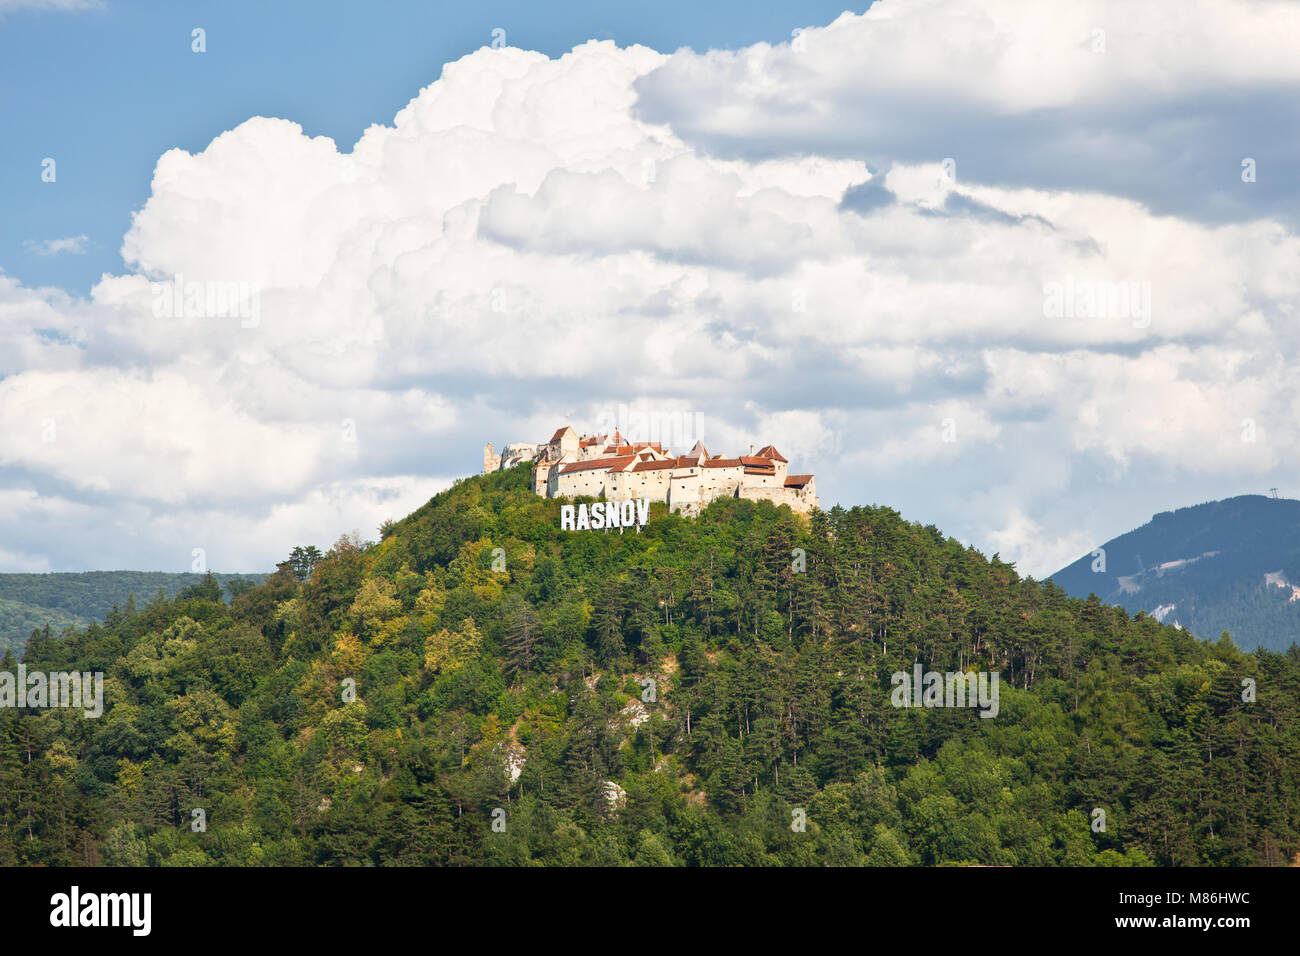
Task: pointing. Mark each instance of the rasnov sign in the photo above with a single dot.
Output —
(605, 514)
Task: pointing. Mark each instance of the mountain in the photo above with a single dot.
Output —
(480, 687)
(1231, 565)
(29, 602)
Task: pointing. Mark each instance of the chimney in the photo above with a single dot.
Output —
(751, 451)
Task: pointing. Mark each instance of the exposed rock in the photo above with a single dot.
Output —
(615, 796)
(635, 713)
(515, 759)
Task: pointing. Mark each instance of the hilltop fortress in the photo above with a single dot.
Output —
(595, 465)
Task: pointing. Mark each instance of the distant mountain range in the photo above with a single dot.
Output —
(1231, 565)
(30, 601)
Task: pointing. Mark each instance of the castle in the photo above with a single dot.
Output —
(569, 465)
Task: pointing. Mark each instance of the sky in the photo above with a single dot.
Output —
(1025, 272)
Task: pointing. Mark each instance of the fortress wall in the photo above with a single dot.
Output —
(778, 496)
(797, 500)
(685, 490)
(721, 481)
(642, 484)
(590, 482)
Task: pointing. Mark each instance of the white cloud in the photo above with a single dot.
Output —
(1156, 101)
(73, 245)
(534, 240)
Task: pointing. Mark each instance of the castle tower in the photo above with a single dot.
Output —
(564, 442)
(541, 478)
(491, 461)
(778, 460)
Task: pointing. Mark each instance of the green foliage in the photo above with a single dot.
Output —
(31, 602)
(677, 696)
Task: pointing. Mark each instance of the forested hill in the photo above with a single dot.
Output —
(31, 602)
(1231, 565)
(482, 688)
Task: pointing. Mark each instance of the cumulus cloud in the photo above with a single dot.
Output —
(1157, 102)
(310, 340)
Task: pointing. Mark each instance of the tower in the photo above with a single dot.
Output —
(541, 478)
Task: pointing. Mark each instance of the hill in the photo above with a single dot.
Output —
(29, 602)
(479, 687)
(1231, 565)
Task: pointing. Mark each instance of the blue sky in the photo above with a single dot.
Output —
(1024, 272)
(106, 90)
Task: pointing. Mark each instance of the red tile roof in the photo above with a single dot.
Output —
(598, 463)
(618, 455)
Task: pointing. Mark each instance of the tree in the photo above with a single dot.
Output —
(522, 632)
(303, 560)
